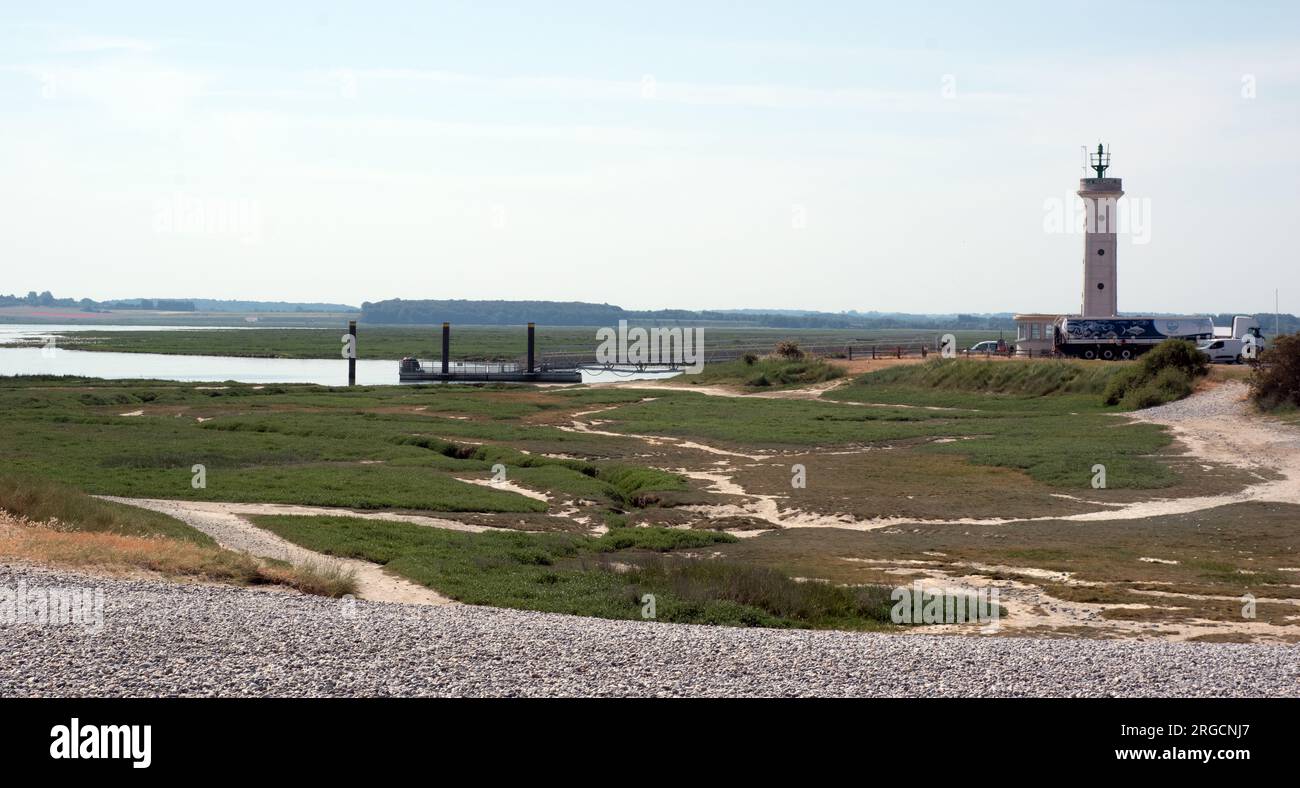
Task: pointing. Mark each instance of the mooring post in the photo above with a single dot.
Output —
(446, 348)
(352, 356)
(532, 329)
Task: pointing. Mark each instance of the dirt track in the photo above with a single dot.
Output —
(228, 524)
(1217, 426)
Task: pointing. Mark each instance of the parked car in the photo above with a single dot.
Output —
(988, 346)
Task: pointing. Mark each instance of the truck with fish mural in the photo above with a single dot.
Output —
(1126, 337)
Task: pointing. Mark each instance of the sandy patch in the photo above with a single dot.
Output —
(590, 427)
(508, 486)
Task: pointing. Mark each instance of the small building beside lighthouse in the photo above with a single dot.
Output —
(1035, 334)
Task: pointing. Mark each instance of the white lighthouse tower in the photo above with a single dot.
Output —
(1100, 195)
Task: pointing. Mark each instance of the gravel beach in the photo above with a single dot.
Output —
(164, 639)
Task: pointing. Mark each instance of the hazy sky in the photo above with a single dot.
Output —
(893, 156)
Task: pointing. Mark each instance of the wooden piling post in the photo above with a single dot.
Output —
(446, 348)
(531, 357)
(352, 356)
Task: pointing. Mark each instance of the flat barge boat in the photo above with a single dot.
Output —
(412, 370)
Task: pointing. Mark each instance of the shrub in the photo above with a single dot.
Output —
(1128, 378)
(1168, 385)
(1163, 375)
(1275, 382)
(788, 349)
(749, 359)
(1178, 354)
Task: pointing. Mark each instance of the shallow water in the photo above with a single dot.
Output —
(38, 360)
(12, 331)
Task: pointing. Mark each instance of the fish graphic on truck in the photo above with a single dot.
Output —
(1125, 337)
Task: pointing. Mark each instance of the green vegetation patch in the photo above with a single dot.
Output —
(1004, 378)
(607, 577)
(1055, 439)
(766, 373)
(291, 444)
(1165, 373)
(659, 539)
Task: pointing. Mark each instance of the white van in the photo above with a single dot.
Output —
(1223, 351)
(1232, 346)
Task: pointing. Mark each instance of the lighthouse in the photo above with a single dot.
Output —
(1100, 195)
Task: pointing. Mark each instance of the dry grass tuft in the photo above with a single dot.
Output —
(40, 543)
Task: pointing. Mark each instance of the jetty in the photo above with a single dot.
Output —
(444, 370)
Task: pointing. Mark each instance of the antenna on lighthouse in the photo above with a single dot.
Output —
(1100, 160)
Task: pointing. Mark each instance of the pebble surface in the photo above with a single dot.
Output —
(1224, 401)
(168, 639)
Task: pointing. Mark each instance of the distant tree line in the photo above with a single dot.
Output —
(47, 298)
(551, 313)
(152, 304)
(210, 305)
(40, 299)
(399, 311)
(170, 304)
